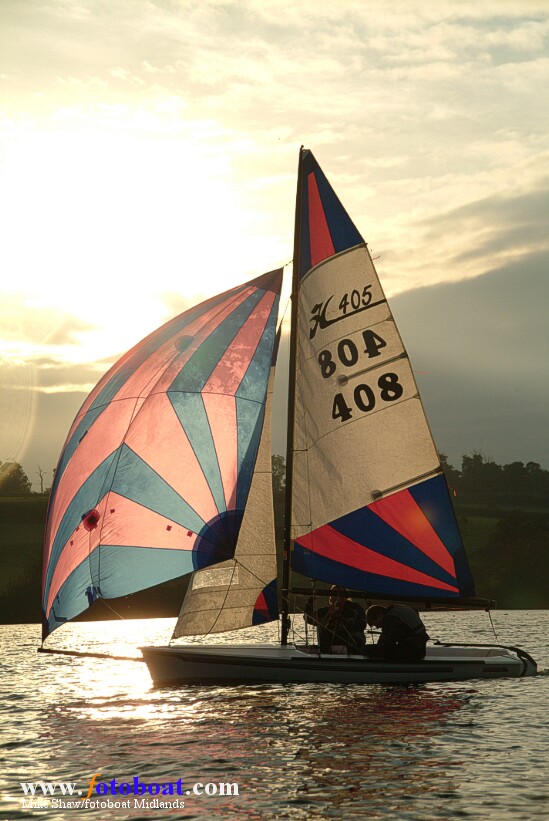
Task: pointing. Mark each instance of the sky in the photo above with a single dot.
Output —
(148, 155)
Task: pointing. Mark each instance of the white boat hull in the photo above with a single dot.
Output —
(229, 664)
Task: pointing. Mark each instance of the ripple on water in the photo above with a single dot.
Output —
(433, 752)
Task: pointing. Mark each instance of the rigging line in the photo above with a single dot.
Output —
(493, 626)
(247, 569)
(238, 563)
(288, 302)
(113, 610)
(300, 636)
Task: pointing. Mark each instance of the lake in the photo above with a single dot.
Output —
(476, 750)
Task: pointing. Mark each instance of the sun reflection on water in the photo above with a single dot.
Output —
(296, 751)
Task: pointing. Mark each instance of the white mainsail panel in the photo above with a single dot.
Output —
(360, 429)
(222, 597)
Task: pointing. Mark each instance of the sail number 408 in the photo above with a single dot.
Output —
(365, 398)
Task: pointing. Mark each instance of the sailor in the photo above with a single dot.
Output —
(403, 634)
(342, 622)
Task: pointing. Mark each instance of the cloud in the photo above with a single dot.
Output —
(157, 142)
(485, 233)
(482, 344)
(24, 321)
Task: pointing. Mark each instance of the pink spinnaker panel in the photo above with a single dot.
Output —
(155, 435)
(175, 322)
(200, 332)
(77, 548)
(165, 354)
(108, 431)
(168, 361)
(232, 366)
(219, 390)
(102, 439)
(221, 411)
(97, 390)
(129, 523)
(121, 522)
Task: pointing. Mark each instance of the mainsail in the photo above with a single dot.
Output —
(370, 506)
(154, 476)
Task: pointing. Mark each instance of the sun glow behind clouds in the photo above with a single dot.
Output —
(102, 218)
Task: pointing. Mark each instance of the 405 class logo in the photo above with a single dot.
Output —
(324, 314)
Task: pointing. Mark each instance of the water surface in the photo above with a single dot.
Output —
(475, 750)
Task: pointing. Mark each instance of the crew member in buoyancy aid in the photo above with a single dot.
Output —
(342, 622)
(403, 634)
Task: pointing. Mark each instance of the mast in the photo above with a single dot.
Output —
(286, 557)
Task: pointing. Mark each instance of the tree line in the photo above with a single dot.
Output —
(480, 480)
(502, 510)
(15, 482)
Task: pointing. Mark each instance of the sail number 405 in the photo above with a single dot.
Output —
(365, 398)
(348, 352)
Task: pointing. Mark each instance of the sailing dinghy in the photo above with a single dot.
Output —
(166, 471)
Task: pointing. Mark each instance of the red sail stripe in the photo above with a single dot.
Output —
(401, 512)
(328, 542)
(322, 246)
(261, 605)
(102, 439)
